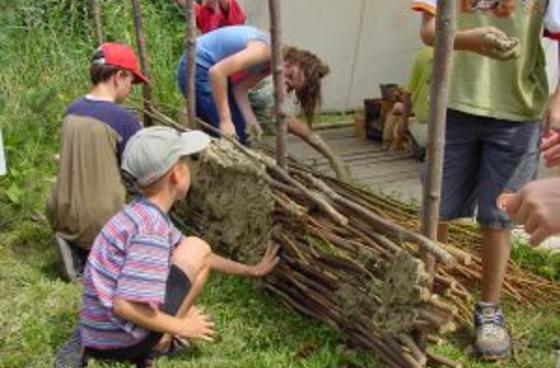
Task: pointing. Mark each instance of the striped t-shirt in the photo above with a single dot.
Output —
(130, 259)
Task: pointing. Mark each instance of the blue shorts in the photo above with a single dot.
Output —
(485, 157)
(205, 107)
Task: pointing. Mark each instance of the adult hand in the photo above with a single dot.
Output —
(196, 326)
(537, 207)
(267, 263)
(492, 42)
(227, 128)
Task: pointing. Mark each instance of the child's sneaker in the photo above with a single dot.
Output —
(70, 355)
(492, 337)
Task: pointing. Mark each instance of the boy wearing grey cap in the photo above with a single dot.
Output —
(143, 276)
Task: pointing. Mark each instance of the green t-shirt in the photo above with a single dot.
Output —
(514, 90)
(419, 83)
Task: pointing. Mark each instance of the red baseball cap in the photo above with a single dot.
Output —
(120, 56)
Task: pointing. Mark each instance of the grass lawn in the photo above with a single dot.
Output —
(44, 50)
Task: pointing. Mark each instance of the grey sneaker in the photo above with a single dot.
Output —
(70, 355)
(492, 337)
(71, 264)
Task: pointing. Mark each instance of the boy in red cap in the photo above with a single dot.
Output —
(95, 129)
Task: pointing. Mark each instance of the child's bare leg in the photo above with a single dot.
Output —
(495, 255)
(192, 257)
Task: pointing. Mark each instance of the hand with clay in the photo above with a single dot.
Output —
(227, 128)
(490, 42)
(537, 207)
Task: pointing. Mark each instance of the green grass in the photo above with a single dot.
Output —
(44, 51)
(38, 312)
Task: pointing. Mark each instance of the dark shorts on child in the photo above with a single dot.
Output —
(485, 157)
(177, 288)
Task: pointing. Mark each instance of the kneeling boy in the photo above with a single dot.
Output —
(143, 275)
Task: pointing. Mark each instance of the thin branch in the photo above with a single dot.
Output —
(144, 60)
(190, 58)
(279, 84)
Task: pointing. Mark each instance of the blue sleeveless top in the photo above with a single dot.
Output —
(220, 44)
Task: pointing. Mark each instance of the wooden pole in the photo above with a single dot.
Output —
(190, 55)
(279, 83)
(96, 12)
(443, 51)
(144, 60)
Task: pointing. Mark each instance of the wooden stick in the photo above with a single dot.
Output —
(435, 360)
(190, 58)
(463, 257)
(144, 60)
(279, 83)
(415, 351)
(373, 341)
(96, 12)
(445, 26)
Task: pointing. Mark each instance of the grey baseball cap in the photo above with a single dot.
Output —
(151, 152)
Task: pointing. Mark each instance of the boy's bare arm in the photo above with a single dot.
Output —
(261, 269)
(198, 326)
(486, 41)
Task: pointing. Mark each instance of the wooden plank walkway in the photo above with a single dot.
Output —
(393, 173)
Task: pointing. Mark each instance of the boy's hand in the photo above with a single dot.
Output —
(267, 263)
(196, 326)
(550, 145)
(550, 148)
(551, 119)
(491, 42)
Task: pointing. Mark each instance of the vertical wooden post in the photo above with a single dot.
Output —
(279, 83)
(144, 60)
(445, 33)
(190, 56)
(96, 12)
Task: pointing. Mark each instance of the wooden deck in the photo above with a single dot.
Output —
(396, 174)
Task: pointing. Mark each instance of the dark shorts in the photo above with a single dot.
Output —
(177, 288)
(485, 157)
(205, 107)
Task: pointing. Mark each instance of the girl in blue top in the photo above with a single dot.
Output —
(232, 60)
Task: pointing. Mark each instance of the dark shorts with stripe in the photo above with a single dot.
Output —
(485, 157)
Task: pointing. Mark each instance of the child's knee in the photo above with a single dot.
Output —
(192, 255)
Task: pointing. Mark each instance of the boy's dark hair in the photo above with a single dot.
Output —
(100, 72)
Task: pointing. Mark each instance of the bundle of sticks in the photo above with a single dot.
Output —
(350, 258)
